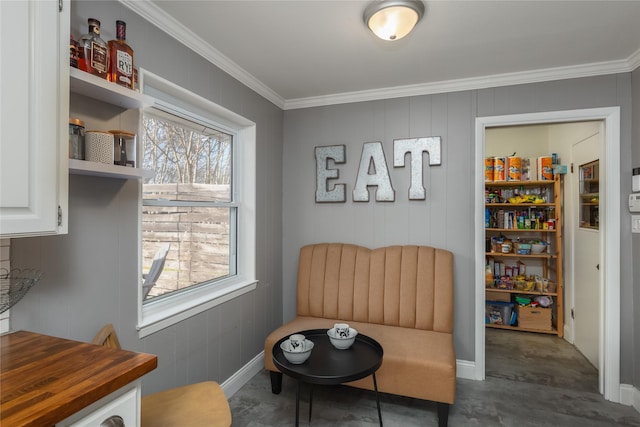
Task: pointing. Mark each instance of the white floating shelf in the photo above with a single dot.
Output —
(94, 87)
(84, 167)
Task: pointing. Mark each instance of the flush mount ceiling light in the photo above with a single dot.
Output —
(393, 19)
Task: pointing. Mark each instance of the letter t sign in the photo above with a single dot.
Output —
(415, 147)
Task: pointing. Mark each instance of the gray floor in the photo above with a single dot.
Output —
(532, 380)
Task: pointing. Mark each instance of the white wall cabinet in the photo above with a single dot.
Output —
(34, 105)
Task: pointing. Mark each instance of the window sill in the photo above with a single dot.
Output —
(158, 315)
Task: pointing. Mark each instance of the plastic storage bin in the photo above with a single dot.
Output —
(499, 313)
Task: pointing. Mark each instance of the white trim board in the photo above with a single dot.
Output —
(610, 244)
(243, 375)
(630, 396)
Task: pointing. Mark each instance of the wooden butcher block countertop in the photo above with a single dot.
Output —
(44, 379)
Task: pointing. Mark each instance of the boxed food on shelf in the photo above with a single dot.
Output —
(534, 318)
(499, 313)
(523, 248)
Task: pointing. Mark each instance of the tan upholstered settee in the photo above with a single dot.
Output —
(402, 296)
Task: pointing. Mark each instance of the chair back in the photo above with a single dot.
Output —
(155, 270)
(107, 337)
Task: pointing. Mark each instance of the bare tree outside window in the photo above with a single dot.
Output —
(188, 203)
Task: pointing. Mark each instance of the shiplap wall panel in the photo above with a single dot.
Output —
(378, 223)
(445, 218)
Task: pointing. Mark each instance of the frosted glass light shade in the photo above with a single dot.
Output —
(392, 20)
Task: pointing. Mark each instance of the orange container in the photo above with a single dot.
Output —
(514, 168)
(499, 168)
(545, 168)
(488, 169)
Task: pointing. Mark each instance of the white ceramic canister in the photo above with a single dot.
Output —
(99, 146)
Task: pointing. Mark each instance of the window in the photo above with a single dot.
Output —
(188, 213)
(197, 213)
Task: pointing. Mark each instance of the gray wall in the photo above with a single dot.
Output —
(635, 156)
(91, 274)
(445, 218)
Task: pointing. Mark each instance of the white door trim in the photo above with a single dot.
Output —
(609, 246)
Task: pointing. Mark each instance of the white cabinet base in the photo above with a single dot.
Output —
(123, 403)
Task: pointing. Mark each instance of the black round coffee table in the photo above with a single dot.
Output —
(329, 366)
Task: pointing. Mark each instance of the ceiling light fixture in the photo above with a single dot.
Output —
(393, 19)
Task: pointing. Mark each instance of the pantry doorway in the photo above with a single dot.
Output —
(609, 319)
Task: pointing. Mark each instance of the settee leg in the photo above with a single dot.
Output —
(276, 382)
(443, 414)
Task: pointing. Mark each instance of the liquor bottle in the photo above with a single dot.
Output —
(94, 51)
(121, 58)
(74, 52)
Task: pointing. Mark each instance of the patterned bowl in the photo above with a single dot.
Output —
(296, 357)
(342, 343)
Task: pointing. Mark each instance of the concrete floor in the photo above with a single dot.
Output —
(532, 380)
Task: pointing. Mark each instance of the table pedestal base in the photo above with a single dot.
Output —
(299, 382)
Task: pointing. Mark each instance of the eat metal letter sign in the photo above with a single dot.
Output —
(373, 170)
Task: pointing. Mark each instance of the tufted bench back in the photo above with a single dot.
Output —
(406, 286)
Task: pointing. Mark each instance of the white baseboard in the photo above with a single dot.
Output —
(630, 396)
(466, 369)
(243, 375)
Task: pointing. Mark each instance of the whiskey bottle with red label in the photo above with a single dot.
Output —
(121, 58)
(94, 52)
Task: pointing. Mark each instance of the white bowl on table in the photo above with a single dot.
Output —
(296, 357)
(342, 343)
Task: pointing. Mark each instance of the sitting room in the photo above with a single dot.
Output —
(269, 213)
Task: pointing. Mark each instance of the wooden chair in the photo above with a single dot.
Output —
(194, 405)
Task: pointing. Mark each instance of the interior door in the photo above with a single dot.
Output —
(586, 262)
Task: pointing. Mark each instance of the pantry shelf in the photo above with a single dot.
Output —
(511, 184)
(517, 205)
(552, 331)
(512, 255)
(511, 265)
(516, 291)
(522, 230)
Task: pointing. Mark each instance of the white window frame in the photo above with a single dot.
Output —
(154, 315)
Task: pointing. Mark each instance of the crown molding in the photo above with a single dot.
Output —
(474, 83)
(156, 16)
(165, 22)
(634, 60)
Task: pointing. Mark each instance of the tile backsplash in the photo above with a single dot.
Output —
(5, 247)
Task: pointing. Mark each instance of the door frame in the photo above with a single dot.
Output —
(609, 244)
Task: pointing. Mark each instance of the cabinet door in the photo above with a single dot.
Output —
(34, 105)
